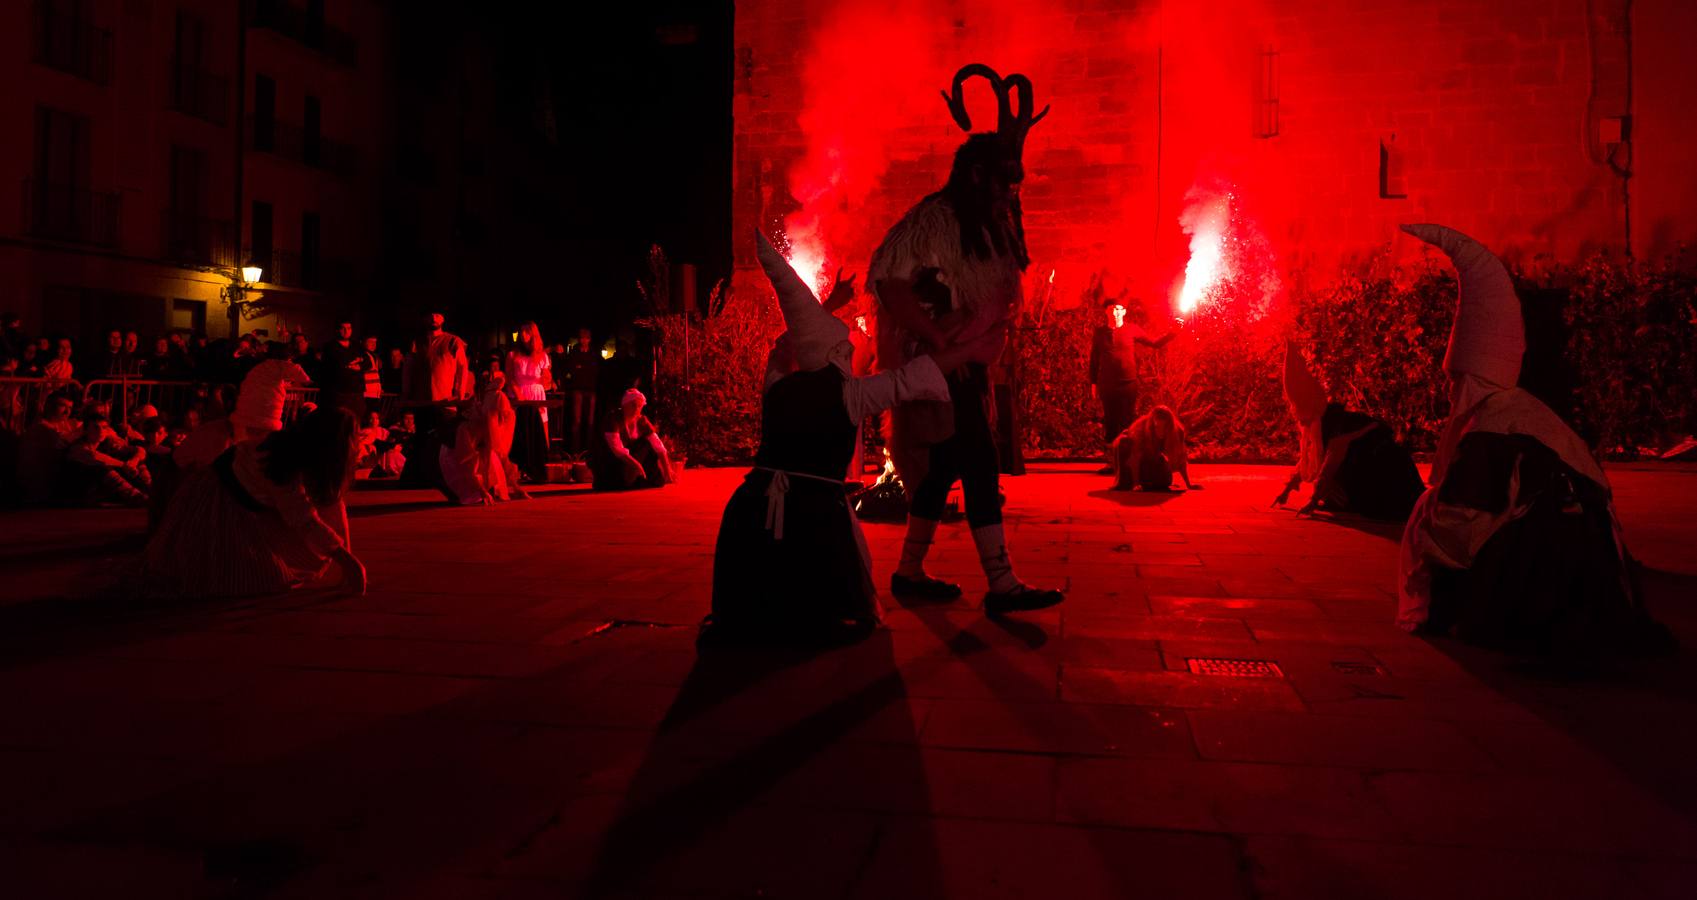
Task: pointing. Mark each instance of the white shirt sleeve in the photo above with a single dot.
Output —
(918, 380)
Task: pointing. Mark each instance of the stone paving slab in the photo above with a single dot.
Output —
(517, 709)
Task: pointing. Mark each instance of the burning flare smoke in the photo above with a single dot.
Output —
(1207, 219)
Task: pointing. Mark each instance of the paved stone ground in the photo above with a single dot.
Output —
(517, 710)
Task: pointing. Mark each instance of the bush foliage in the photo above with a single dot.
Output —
(1376, 336)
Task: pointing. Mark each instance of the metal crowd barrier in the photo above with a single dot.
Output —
(23, 400)
(124, 395)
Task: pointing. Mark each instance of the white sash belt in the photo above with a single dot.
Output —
(775, 496)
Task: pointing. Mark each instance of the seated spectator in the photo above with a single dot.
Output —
(1150, 451)
(477, 468)
(41, 450)
(268, 515)
(99, 466)
(627, 453)
(378, 449)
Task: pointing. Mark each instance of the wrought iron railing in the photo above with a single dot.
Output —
(295, 143)
(197, 240)
(65, 212)
(64, 40)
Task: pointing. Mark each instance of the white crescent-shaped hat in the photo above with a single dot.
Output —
(1488, 339)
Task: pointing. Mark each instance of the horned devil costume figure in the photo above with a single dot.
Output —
(791, 563)
(1351, 458)
(952, 266)
(1516, 543)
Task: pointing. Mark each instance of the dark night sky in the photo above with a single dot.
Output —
(643, 92)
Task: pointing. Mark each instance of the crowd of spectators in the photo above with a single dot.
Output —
(60, 443)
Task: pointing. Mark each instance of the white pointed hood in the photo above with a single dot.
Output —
(813, 336)
(1304, 394)
(1488, 338)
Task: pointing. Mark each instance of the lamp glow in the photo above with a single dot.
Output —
(251, 273)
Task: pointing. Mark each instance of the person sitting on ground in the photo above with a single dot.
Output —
(378, 448)
(1352, 459)
(1516, 544)
(1150, 451)
(628, 453)
(477, 468)
(93, 475)
(41, 449)
(267, 516)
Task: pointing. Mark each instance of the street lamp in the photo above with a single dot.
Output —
(237, 291)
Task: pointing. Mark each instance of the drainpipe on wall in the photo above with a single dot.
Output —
(241, 134)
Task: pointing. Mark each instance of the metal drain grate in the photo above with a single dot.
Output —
(1355, 667)
(1234, 668)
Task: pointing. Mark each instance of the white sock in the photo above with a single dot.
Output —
(993, 556)
(914, 547)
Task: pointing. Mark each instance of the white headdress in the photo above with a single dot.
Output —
(1303, 392)
(1306, 398)
(1488, 338)
(813, 336)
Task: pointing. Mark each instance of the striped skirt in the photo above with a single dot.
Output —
(210, 544)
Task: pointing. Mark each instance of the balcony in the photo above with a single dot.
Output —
(298, 270)
(65, 41)
(305, 28)
(199, 93)
(296, 144)
(70, 213)
(195, 240)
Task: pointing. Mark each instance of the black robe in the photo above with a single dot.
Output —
(814, 582)
(1555, 581)
(1377, 475)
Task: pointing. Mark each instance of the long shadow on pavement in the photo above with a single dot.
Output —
(759, 717)
(1609, 708)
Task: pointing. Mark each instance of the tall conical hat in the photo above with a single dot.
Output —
(1488, 338)
(1303, 392)
(811, 332)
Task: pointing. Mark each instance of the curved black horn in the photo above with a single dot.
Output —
(956, 99)
(1022, 84)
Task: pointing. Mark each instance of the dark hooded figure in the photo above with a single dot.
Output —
(1352, 459)
(791, 565)
(1516, 544)
(951, 270)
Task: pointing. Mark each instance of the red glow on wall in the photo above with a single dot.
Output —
(1282, 105)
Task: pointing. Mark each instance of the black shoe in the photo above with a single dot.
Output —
(923, 588)
(1024, 599)
(1105, 470)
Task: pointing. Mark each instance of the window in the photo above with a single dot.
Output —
(62, 156)
(188, 315)
(262, 243)
(310, 241)
(188, 180)
(1392, 184)
(189, 40)
(264, 113)
(310, 143)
